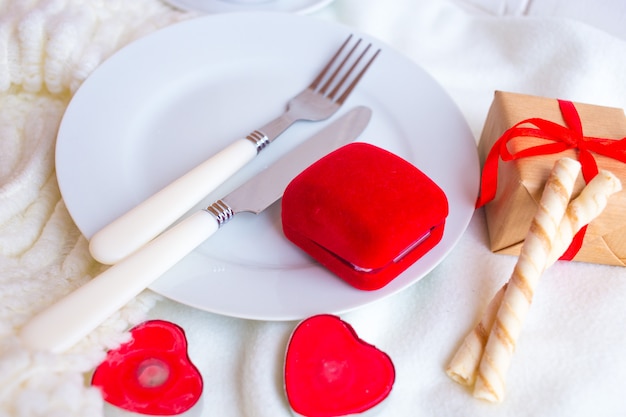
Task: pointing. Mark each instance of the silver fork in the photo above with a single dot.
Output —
(328, 91)
(323, 96)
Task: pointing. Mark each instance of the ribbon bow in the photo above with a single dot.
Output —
(561, 138)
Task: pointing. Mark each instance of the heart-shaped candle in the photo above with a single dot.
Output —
(152, 373)
(330, 371)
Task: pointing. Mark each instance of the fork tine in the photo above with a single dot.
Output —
(316, 82)
(356, 79)
(339, 68)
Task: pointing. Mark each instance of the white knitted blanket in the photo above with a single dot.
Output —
(47, 48)
(570, 360)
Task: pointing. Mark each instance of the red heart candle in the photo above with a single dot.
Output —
(330, 371)
(152, 373)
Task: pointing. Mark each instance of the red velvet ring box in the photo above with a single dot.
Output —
(364, 213)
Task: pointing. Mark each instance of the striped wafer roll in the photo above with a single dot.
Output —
(532, 261)
(582, 210)
(462, 368)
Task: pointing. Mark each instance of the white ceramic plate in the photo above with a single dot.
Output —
(225, 6)
(165, 103)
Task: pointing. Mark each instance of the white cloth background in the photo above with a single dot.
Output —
(570, 358)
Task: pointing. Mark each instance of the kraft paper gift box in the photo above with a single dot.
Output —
(544, 128)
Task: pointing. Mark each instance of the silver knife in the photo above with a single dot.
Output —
(61, 325)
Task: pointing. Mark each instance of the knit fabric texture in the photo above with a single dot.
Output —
(47, 49)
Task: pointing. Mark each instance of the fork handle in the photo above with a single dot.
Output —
(135, 228)
(64, 323)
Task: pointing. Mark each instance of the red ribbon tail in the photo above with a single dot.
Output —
(575, 246)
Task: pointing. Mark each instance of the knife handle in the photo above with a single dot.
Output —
(148, 219)
(61, 325)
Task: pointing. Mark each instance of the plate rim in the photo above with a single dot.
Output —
(219, 6)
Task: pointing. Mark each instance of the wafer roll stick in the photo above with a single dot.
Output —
(582, 210)
(532, 261)
(462, 368)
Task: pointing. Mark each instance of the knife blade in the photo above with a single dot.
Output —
(61, 325)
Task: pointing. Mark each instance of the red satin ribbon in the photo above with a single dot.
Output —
(561, 138)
